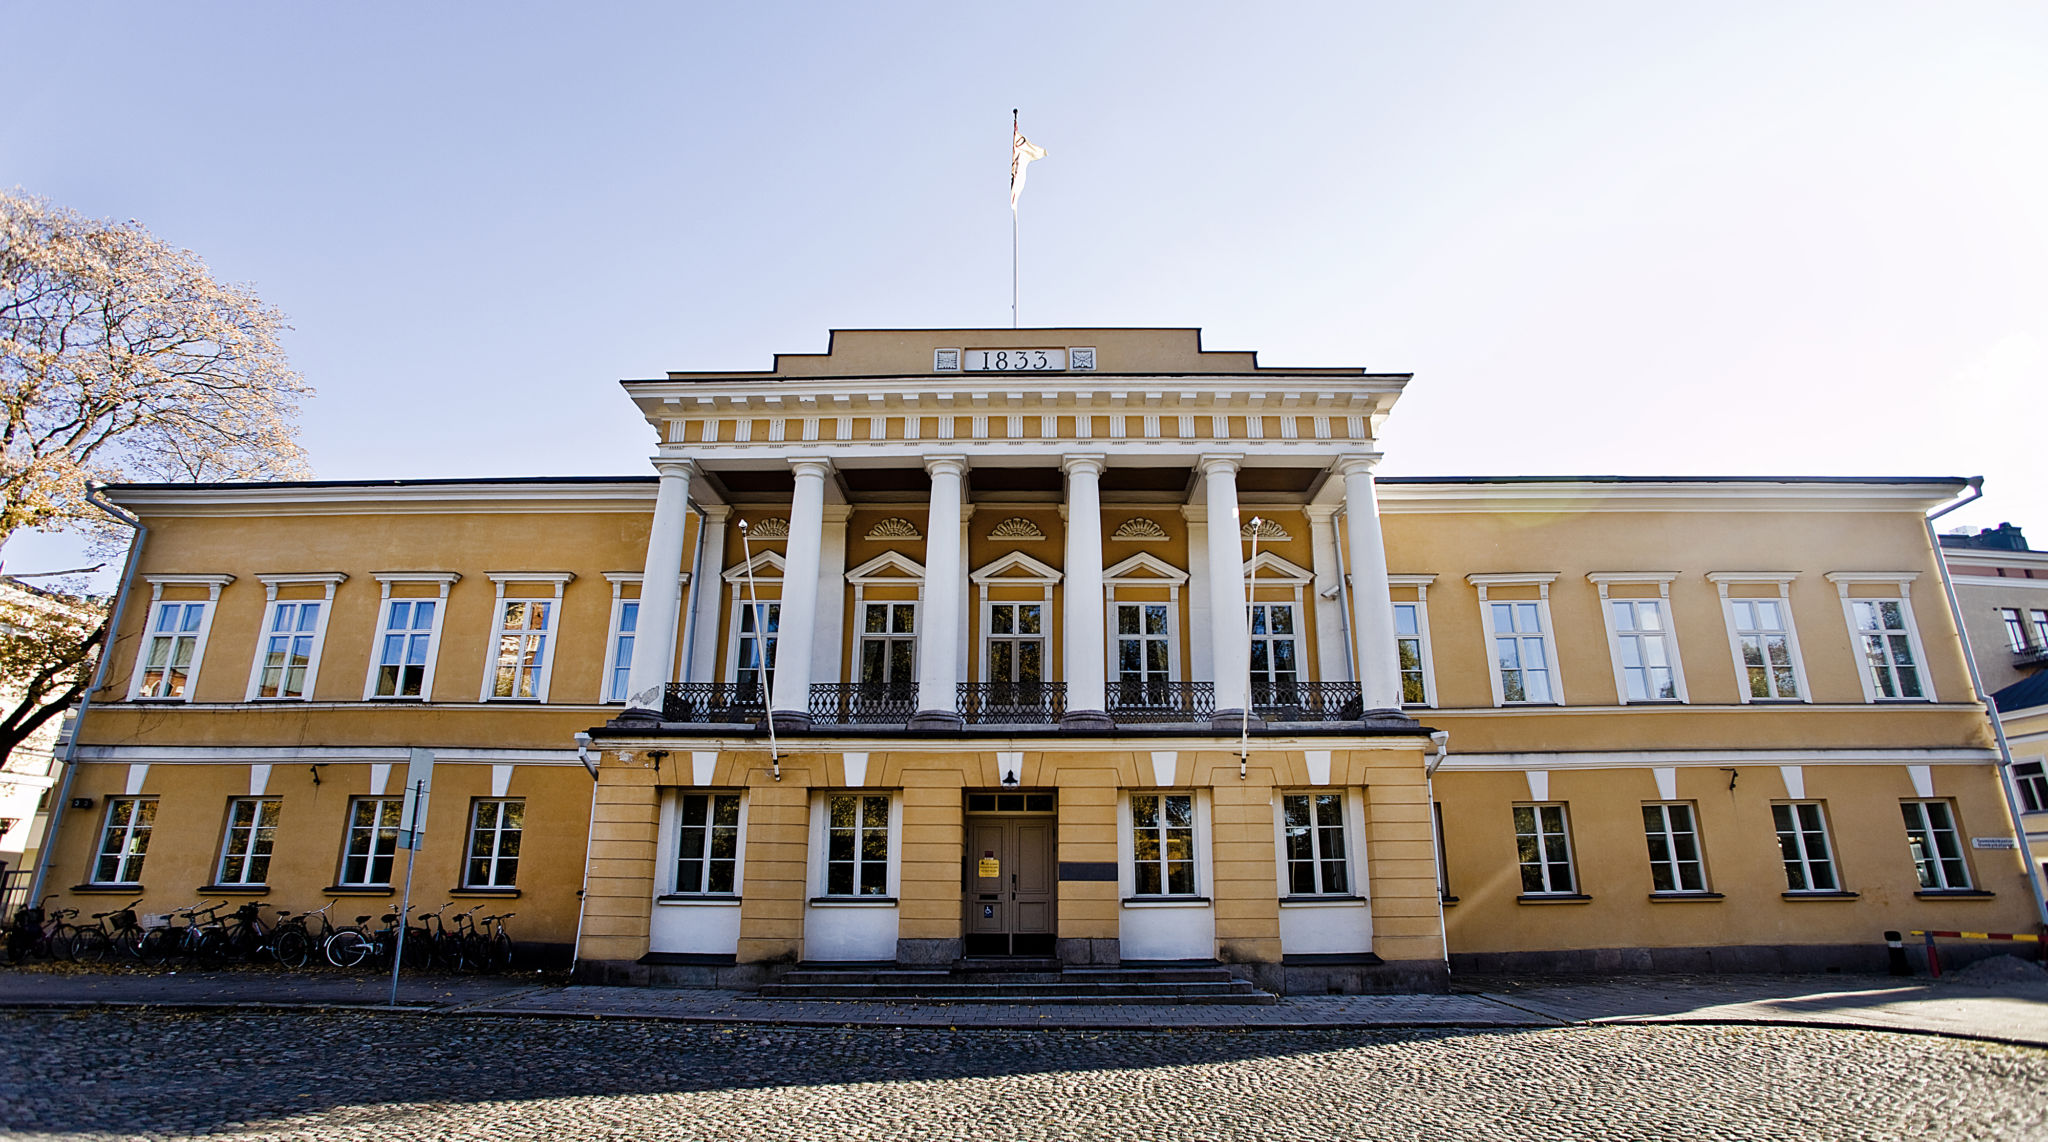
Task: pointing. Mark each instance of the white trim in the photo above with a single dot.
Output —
(667, 860)
(991, 574)
(443, 579)
(817, 872)
(263, 632)
(385, 498)
(1718, 758)
(1713, 495)
(1722, 580)
(550, 633)
(1899, 581)
(1350, 817)
(1421, 584)
(1157, 573)
(157, 583)
(1541, 580)
(1601, 581)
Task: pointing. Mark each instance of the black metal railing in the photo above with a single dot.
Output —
(743, 703)
(1012, 703)
(1307, 701)
(1134, 702)
(863, 703)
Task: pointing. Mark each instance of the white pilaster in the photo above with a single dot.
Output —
(797, 625)
(1201, 655)
(710, 597)
(828, 650)
(661, 589)
(1372, 615)
(1333, 661)
(1082, 632)
(938, 646)
(1228, 635)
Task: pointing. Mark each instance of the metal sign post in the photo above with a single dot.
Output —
(411, 830)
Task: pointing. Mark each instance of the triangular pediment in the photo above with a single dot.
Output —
(1269, 566)
(1143, 568)
(1016, 567)
(886, 566)
(766, 565)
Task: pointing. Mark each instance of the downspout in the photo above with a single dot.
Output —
(2012, 797)
(1442, 740)
(99, 676)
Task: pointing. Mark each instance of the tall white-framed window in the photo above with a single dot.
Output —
(2015, 628)
(1641, 640)
(1316, 849)
(2040, 618)
(888, 645)
(1143, 634)
(495, 827)
(522, 646)
(858, 835)
(623, 632)
(250, 837)
(1543, 842)
(1761, 636)
(709, 832)
(1013, 627)
(371, 842)
(752, 661)
(408, 639)
(1892, 664)
(1676, 862)
(124, 840)
(2031, 779)
(1015, 645)
(1803, 846)
(174, 638)
(1936, 845)
(1276, 652)
(1411, 641)
(1163, 844)
(1518, 639)
(294, 635)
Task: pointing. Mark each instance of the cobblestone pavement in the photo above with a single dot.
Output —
(347, 1075)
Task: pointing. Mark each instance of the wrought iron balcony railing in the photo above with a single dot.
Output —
(863, 703)
(1012, 703)
(1307, 701)
(1138, 702)
(726, 703)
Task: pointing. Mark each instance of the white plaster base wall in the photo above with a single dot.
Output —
(1168, 932)
(1325, 929)
(834, 932)
(695, 927)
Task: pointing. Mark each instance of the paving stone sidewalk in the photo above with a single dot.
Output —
(2011, 1013)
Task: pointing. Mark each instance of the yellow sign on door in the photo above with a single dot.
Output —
(990, 868)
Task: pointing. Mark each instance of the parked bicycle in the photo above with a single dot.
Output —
(297, 938)
(115, 934)
(36, 932)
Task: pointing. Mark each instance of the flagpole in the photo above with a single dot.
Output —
(1013, 221)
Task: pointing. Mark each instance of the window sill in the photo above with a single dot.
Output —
(1821, 895)
(1954, 894)
(698, 899)
(512, 893)
(106, 889)
(1528, 705)
(235, 890)
(1331, 901)
(853, 902)
(358, 890)
(1553, 898)
(1166, 902)
(1685, 896)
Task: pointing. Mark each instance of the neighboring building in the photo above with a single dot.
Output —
(2002, 589)
(33, 769)
(1131, 659)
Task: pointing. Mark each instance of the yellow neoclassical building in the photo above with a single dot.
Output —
(1076, 647)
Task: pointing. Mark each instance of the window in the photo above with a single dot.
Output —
(1675, 861)
(252, 831)
(1144, 651)
(1312, 826)
(1413, 646)
(1882, 631)
(289, 646)
(1763, 641)
(2015, 628)
(1163, 843)
(1642, 649)
(1936, 846)
(1545, 849)
(888, 646)
(405, 648)
(494, 828)
(1521, 652)
(372, 841)
(1016, 643)
(1803, 843)
(1275, 664)
(754, 664)
(625, 620)
(857, 844)
(2040, 628)
(708, 843)
(522, 641)
(2028, 777)
(124, 840)
(171, 652)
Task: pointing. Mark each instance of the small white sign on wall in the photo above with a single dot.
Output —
(2005, 843)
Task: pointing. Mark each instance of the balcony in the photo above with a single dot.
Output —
(1131, 704)
(2032, 654)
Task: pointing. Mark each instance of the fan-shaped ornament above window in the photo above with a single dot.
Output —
(1139, 528)
(773, 527)
(1265, 529)
(1016, 527)
(895, 527)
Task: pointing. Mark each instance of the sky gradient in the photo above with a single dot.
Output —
(1607, 238)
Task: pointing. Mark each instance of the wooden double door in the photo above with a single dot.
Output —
(1011, 883)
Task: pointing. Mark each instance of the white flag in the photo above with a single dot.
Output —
(1022, 152)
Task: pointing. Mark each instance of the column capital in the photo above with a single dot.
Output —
(950, 465)
(1212, 462)
(1319, 513)
(1091, 463)
(1357, 462)
(716, 513)
(674, 466)
(818, 466)
(838, 513)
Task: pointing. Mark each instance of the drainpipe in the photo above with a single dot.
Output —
(99, 676)
(2012, 797)
(1442, 740)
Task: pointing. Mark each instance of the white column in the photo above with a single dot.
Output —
(1333, 660)
(938, 628)
(1082, 632)
(828, 651)
(1201, 655)
(710, 581)
(790, 701)
(1372, 606)
(1229, 638)
(661, 592)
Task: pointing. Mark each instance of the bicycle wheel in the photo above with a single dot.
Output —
(500, 958)
(291, 947)
(64, 942)
(155, 947)
(92, 946)
(348, 948)
(419, 949)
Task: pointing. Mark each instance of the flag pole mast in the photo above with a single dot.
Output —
(1013, 220)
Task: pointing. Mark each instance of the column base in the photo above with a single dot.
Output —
(789, 721)
(1389, 720)
(937, 722)
(1234, 721)
(1086, 722)
(632, 718)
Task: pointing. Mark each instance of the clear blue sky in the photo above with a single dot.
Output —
(1636, 238)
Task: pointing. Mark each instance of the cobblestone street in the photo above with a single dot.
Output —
(122, 1074)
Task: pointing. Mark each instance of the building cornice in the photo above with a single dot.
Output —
(389, 497)
(1653, 494)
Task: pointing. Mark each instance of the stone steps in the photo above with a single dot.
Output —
(1022, 983)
